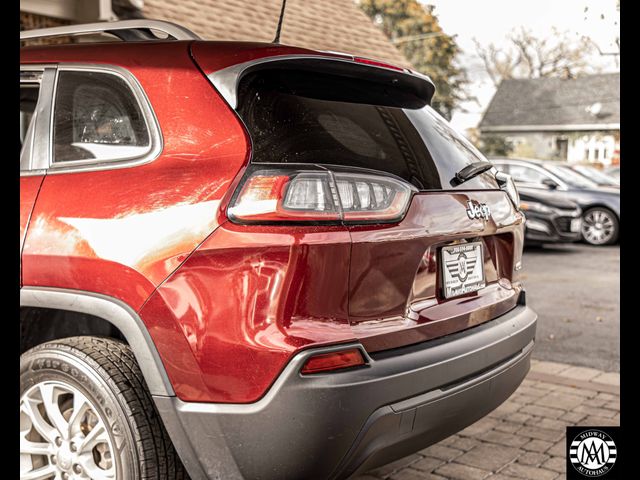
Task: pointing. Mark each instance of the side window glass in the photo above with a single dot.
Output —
(97, 117)
(524, 174)
(29, 92)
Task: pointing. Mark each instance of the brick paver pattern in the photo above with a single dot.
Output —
(524, 438)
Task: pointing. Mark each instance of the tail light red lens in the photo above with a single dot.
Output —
(320, 196)
(326, 362)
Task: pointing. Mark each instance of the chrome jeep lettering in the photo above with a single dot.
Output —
(478, 210)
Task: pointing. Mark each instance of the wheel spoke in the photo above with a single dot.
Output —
(98, 434)
(42, 473)
(50, 401)
(34, 448)
(80, 406)
(30, 408)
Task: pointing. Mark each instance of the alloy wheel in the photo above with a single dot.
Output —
(598, 227)
(62, 436)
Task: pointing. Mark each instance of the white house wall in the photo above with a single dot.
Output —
(592, 148)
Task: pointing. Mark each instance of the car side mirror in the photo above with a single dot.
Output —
(550, 184)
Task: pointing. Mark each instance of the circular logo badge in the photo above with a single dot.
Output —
(592, 453)
(462, 267)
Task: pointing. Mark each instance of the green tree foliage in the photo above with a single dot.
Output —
(416, 32)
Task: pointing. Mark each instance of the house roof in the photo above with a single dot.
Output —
(337, 25)
(541, 104)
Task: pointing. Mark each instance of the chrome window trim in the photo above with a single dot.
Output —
(115, 312)
(227, 79)
(148, 115)
(34, 155)
(32, 173)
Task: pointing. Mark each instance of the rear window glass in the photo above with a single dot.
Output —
(305, 117)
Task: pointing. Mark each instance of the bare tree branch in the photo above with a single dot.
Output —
(527, 56)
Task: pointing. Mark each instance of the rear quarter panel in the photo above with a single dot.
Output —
(121, 232)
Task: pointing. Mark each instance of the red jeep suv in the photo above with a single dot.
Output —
(250, 260)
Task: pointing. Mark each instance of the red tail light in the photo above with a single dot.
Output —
(326, 362)
(277, 195)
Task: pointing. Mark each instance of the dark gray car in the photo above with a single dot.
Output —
(600, 205)
(549, 219)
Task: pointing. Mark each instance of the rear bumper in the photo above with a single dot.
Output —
(334, 425)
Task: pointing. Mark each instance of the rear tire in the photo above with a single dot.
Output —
(85, 412)
(600, 226)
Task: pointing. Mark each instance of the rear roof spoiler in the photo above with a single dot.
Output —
(228, 79)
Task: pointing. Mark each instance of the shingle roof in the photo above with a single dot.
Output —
(546, 102)
(337, 25)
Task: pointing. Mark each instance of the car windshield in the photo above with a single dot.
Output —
(570, 177)
(596, 175)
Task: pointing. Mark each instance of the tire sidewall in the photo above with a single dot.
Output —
(48, 363)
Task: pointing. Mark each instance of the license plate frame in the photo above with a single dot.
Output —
(462, 269)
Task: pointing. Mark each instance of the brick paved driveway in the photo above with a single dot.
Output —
(524, 437)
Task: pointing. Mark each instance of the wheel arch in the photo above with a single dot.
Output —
(123, 320)
(590, 206)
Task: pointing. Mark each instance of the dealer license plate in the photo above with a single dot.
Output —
(462, 268)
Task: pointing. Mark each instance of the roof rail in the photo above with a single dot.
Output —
(126, 30)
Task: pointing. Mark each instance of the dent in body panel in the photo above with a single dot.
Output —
(250, 297)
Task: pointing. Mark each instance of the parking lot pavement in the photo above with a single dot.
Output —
(524, 438)
(576, 291)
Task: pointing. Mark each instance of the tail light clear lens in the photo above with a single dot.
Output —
(317, 196)
(508, 185)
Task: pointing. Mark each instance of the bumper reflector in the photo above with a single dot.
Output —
(325, 362)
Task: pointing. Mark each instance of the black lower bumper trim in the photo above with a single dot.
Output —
(394, 431)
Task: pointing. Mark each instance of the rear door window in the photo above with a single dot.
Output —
(29, 93)
(28, 100)
(314, 118)
(97, 118)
